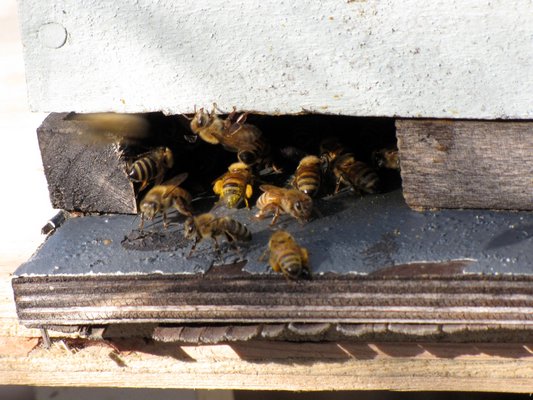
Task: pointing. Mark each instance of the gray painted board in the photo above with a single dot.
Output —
(355, 235)
(441, 59)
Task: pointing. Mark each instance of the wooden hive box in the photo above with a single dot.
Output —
(454, 79)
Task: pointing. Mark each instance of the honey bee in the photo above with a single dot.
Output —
(278, 200)
(349, 171)
(151, 166)
(330, 149)
(208, 226)
(106, 128)
(235, 135)
(162, 197)
(387, 158)
(287, 257)
(308, 175)
(234, 186)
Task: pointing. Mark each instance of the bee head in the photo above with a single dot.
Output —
(190, 229)
(149, 209)
(200, 120)
(302, 208)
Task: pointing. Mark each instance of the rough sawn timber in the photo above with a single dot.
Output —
(438, 59)
(83, 177)
(466, 164)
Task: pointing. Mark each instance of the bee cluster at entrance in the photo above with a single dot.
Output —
(196, 170)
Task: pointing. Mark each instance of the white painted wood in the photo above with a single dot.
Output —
(409, 58)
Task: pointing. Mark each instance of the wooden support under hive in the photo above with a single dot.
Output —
(374, 260)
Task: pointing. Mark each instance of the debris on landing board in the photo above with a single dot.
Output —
(375, 234)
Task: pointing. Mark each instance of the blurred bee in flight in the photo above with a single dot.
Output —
(162, 197)
(287, 257)
(107, 128)
(235, 185)
(209, 226)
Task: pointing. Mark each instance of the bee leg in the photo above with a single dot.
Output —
(263, 255)
(276, 216)
(337, 185)
(305, 262)
(193, 247)
(182, 207)
(165, 221)
(143, 185)
(141, 226)
(217, 248)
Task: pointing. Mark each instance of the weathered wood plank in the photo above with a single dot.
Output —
(74, 300)
(466, 164)
(276, 365)
(381, 58)
(83, 177)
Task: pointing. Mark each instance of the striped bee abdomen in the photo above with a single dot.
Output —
(143, 169)
(234, 230)
(233, 188)
(308, 175)
(356, 173)
(290, 262)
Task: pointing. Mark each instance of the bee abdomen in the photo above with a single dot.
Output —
(262, 201)
(308, 181)
(143, 169)
(365, 177)
(236, 230)
(291, 263)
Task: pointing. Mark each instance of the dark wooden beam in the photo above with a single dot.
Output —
(83, 176)
(466, 164)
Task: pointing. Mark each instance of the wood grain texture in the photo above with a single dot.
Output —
(443, 59)
(83, 177)
(466, 164)
(282, 365)
(345, 365)
(100, 299)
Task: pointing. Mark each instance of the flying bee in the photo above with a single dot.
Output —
(287, 257)
(308, 175)
(208, 226)
(107, 128)
(278, 200)
(151, 166)
(162, 197)
(387, 158)
(235, 185)
(349, 171)
(235, 135)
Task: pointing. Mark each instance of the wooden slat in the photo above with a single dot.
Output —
(247, 298)
(282, 365)
(466, 164)
(81, 176)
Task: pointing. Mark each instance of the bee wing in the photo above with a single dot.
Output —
(272, 189)
(232, 129)
(105, 128)
(175, 181)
